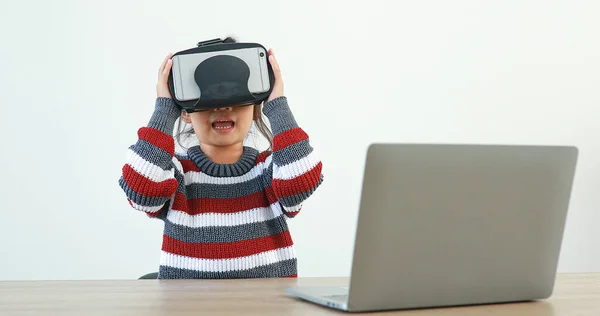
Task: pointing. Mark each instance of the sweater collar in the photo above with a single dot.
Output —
(207, 166)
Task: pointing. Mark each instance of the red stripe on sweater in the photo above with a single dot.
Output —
(189, 165)
(226, 250)
(288, 138)
(180, 202)
(291, 276)
(299, 184)
(270, 195)
(144, 186)
(158, 139)
(292, 214)
(233, 205)
(261, 157)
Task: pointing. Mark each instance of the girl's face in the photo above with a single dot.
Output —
(221, 127)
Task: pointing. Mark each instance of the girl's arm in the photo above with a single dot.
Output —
(151, 174)
(296, 169)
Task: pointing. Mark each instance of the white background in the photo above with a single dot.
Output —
(77, 79)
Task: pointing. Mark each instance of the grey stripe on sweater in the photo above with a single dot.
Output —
(225, 191)
(140, 199)
(280, 115)
(216, 234)
(164, 116)
(180, 182)
(153, 154)
(292, 153)
(275, 270)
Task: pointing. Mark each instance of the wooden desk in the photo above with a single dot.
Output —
(575, 294)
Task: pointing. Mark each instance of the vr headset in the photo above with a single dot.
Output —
(217, 74)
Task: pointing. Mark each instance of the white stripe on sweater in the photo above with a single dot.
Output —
(294, 208)
(296, 168)
(199, 177)
(229, 264)
(219, 219)
(150, 170)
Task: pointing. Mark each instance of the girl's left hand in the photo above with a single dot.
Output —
(278, 85)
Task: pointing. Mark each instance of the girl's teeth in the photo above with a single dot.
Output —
(223, 125)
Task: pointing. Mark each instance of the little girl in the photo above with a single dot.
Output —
(224, 205)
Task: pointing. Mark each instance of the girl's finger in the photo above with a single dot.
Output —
(168, 67)
(164, 63)
(275, 65)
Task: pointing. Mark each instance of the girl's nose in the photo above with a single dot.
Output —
(227, 108)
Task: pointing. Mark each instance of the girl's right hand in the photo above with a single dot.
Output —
(162, 86)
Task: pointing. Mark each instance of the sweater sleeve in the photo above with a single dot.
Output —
(296, 169)
(151, 174)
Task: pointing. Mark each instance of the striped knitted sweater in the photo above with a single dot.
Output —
(222, 220)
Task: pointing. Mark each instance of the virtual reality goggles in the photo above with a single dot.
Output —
(218, 74)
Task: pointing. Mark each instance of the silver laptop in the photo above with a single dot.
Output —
(449, 225)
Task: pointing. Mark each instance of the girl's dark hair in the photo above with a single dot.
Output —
(259, 122)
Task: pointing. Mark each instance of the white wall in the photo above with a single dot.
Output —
(78, 79)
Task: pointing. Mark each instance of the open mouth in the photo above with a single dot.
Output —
(223, 125)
